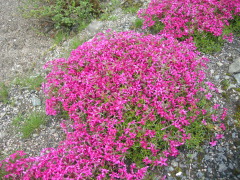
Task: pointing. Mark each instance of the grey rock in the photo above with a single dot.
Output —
(235, 66)
(226, 77)
(194, 155)
(222, 167)
(231, 86)
(179, 174)
(237, 77)
(209, 170)
(36, 101)
(222, 157)
(220, 90)
(2, 134)
(199, 174)
(52, 131)
(217, 77)
(174, 163)
(66, 44)
(230, 166)
(219, 64)
(2, 115)
(207, 157)
(234, 135)
(194, 165)
(95, 26)
(171, 169)
(42, 126)
(182, 165)
(156, 177)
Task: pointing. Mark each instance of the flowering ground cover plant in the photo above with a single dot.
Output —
(133, 99)
(207, 21)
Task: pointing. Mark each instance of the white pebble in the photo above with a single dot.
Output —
(179, 174)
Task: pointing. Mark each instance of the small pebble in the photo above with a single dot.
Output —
(179, 174)
(174, 163)
(219, 64)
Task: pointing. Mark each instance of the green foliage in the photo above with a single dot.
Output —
(157, 27)
(60, 36)
(62, 14)
(237, 89)
(225, 84)
(208, 43)
(111, 6)
(226, 96)
(17, 120)
(107, 9)
(136, 153)
(28, 124)
(131, 10)
(104, 16)
(138, 23)
(199, 132)
(131, 6)
(32, 83)
(236, 116)
(235, 25)
(75, 43)
(108, 17)
(3, 171)
(3, 93)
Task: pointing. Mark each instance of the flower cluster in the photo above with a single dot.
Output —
(182, 18)
(125, 93)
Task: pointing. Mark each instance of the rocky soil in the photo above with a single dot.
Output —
(20, 46)
(23, 52)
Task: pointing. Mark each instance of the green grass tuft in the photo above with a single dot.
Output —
(28, 124)
(3, 93)
(236, 116)
(138, 23)
(32, 82)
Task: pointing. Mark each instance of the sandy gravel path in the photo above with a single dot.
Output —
(20, 46)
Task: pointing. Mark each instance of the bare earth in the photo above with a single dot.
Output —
(20, 46)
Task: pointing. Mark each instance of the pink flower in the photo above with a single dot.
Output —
(204, 122)
(204, 111)
(213, 143)
(224, 114)
(222, 126)
(208, 96)
(214, 118)
(161, 161)
(216, 106)
(219, 136)
(147, 160)
(123, 92)
(228, 37)
(183, 112)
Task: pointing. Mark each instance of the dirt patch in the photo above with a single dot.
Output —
(20, 46)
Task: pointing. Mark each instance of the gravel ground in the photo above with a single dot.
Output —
(20, 46)
(23, 52)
